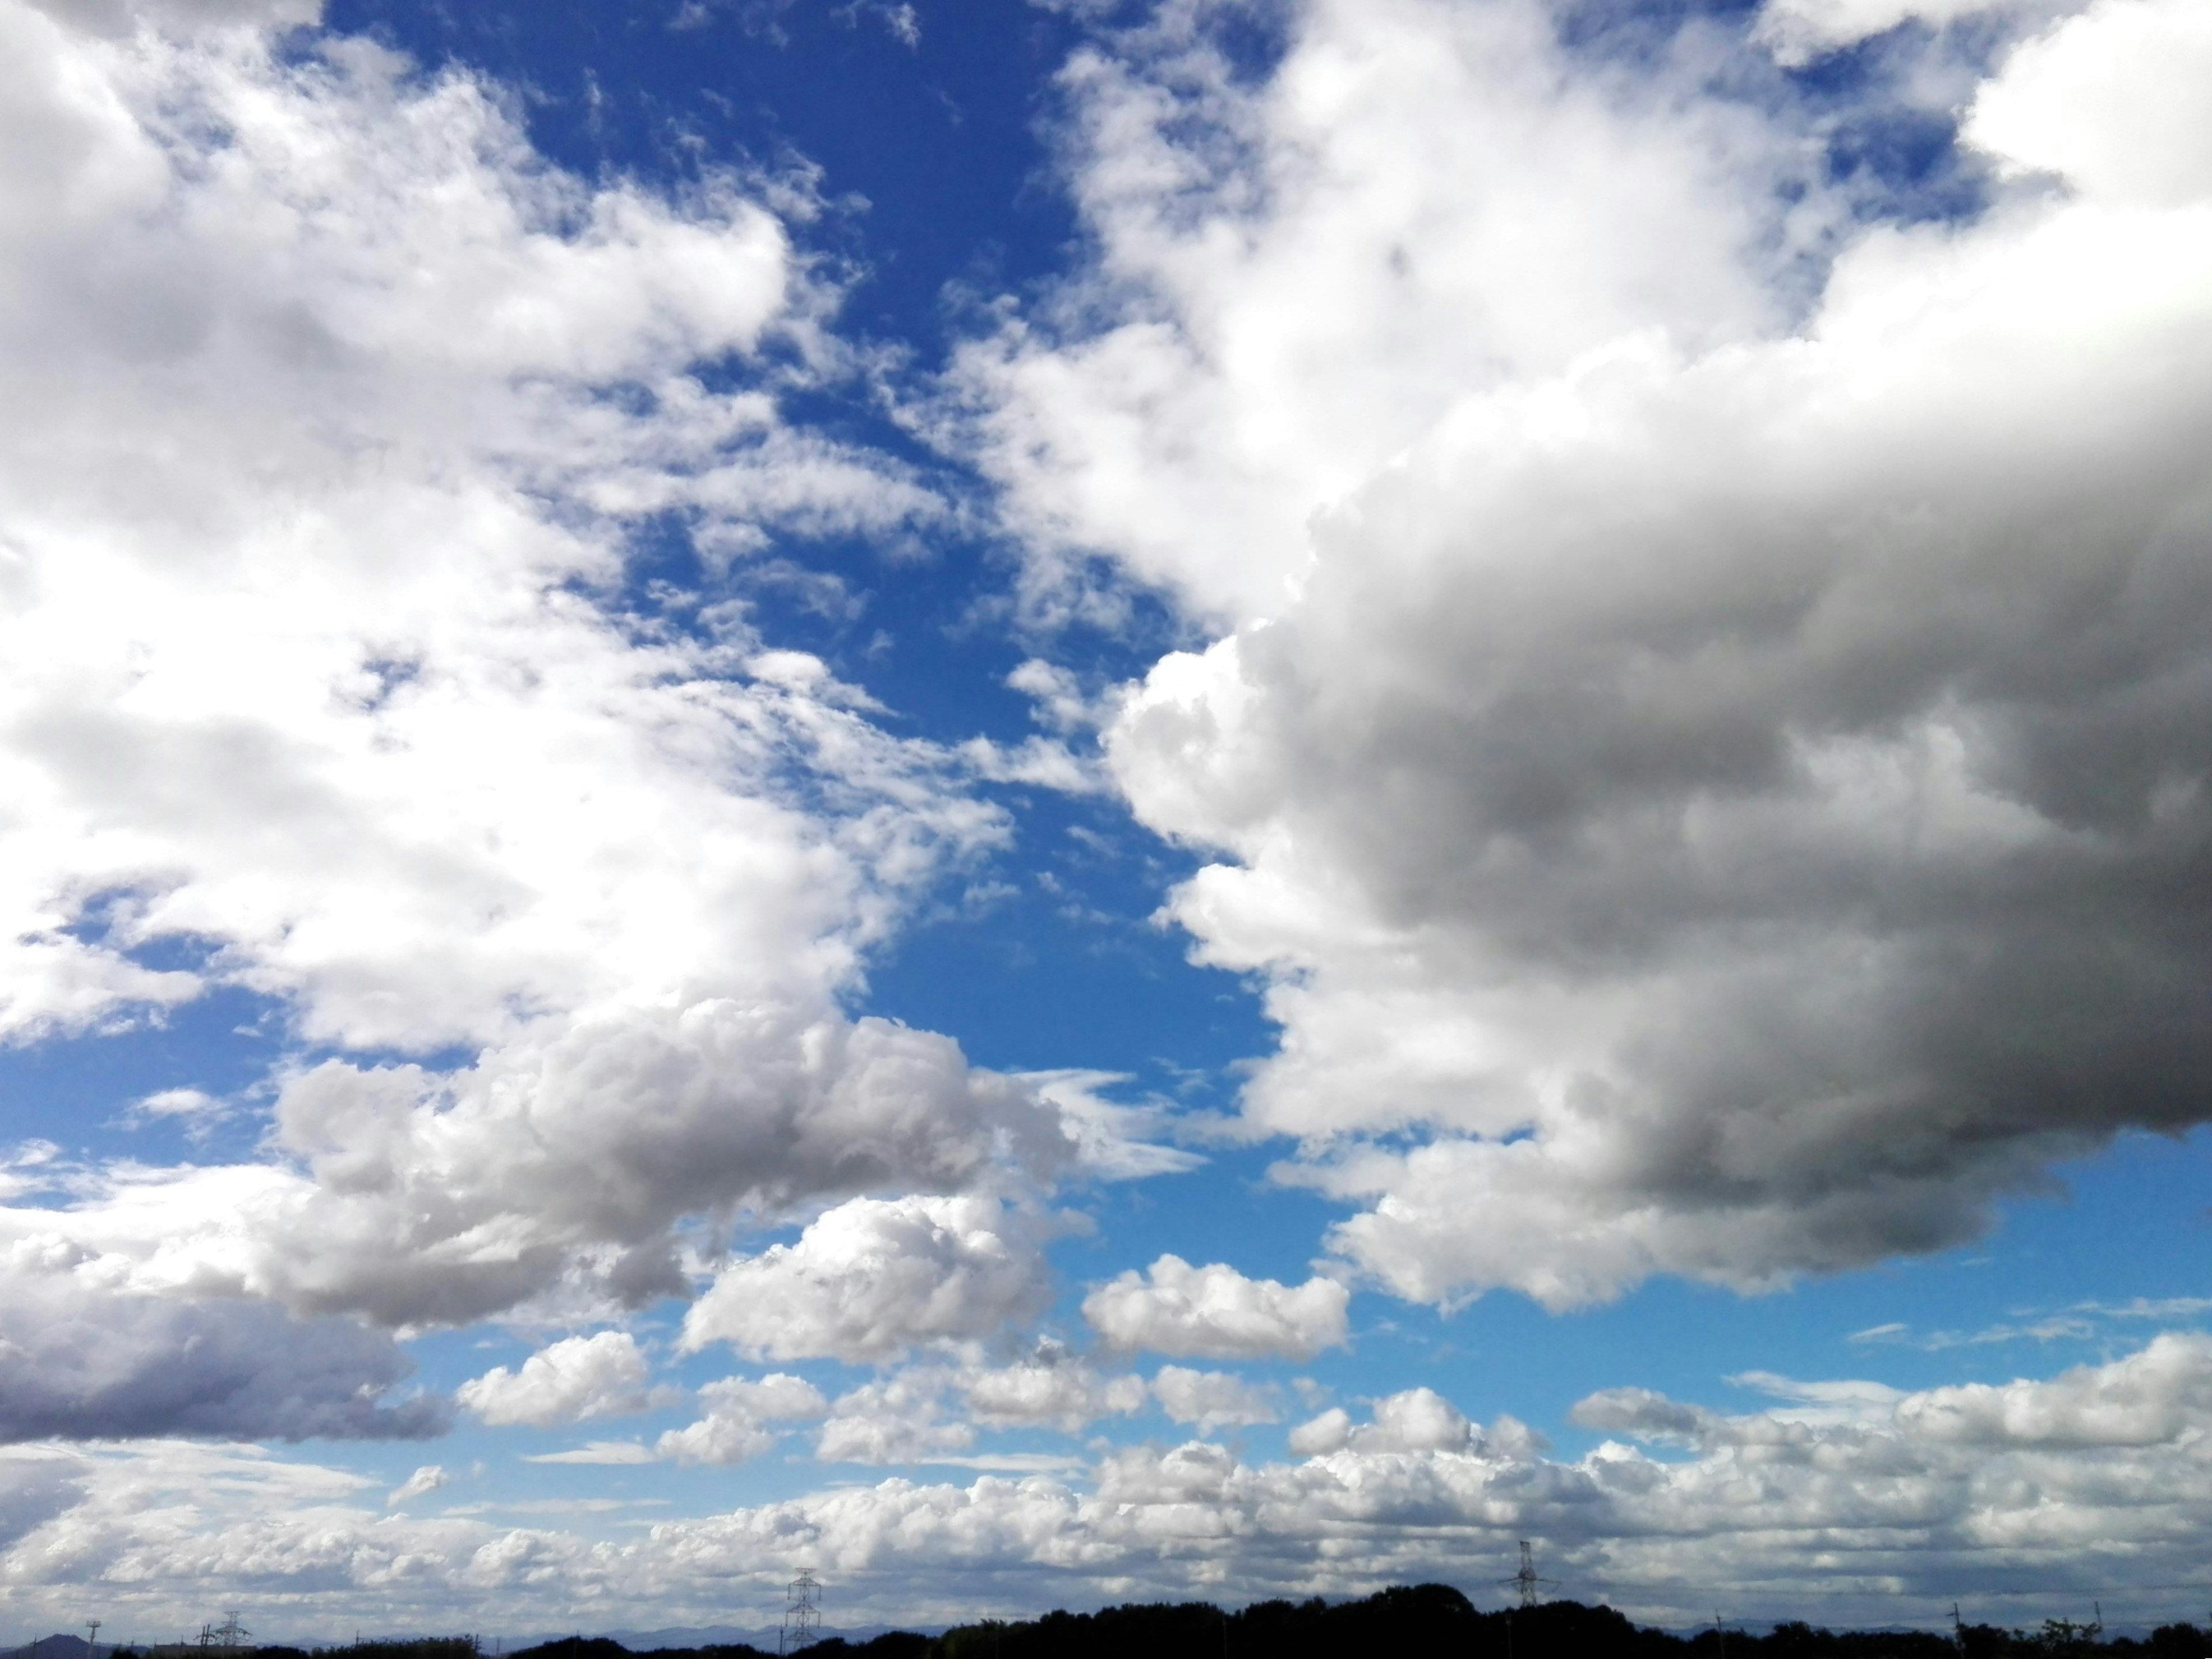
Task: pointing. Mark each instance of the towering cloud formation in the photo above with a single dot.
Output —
(1737, 795)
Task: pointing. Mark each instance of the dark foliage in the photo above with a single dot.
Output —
(430, 1647)
(1422, 1621)
(1432, 1621)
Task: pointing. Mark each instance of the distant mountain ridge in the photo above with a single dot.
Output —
(53, 1647)
(763, 1636)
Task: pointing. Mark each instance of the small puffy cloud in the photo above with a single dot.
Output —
(1417, 1420)
(874, 1276)
(1642, 1414)
(734, 1427)
(1213, 1399)
(428, 1479)
(1215, 1312)
(900, 1420)
(578, 1377)
(1051, 1387)
(1319, 1435)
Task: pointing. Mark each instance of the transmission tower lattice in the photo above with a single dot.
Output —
(1528, 1581)
(230, 1632)
(802, 1613)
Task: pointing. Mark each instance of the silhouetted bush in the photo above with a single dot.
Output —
(1418, 1622)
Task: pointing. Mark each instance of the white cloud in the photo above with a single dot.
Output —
(2077, 101)
(1798, 31)
(1114, 1140)
(1705, 794)
(1213, 1399)
(2097, 1480)
(874, 1276)
(903, 1419)
(611, 1454)
(1215, 1312)
(1051, 1387)
(424, 1480)
(738, 1410)
(179, 16)
(577, 1377)
(2150, 1398)
(1300, 274)
(178, 1103)
(1417, 1420)
(331, 408)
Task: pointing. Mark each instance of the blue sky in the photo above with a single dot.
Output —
(1044, 801)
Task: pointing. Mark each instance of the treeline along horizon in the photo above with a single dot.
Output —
(1422, 1621)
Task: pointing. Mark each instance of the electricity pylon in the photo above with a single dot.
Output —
(1528, 1581)
(802, 1613)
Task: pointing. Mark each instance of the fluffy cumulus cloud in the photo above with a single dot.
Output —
(1215, 1312)
(1212, 1401)
(903, 1419)
(579, 1376)
(734, 1427)
(1051, 1387)
(1301, 274)
(1863, 1503)
(1711, 786)
(874, 1276)
(1420, 1419)
(927, 1412)
(330, 411)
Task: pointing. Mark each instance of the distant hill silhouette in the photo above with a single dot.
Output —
(1422, 1621)
(55, 1647)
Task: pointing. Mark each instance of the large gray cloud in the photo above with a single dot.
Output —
(85, 1362)
(1740, 802)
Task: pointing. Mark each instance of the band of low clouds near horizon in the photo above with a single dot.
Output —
(1209, 905)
